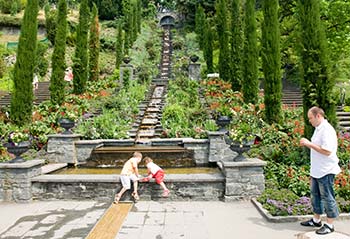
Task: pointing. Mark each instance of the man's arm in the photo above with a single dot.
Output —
(307, 143)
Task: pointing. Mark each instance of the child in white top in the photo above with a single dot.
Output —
(154, 171)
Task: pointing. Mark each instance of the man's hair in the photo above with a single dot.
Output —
(137, 154)
(316, 110)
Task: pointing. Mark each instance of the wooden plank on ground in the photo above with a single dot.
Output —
(108, 226)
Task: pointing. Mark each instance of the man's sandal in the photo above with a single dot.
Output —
(116, 199)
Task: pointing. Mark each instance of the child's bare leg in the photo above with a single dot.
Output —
(162, 184)
(119, 195)
(135, 187)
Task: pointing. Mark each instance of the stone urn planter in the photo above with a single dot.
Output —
(223, 121)
(67, 124)
(17, 150)
(239, 147)
(126, 60)
(194, 58)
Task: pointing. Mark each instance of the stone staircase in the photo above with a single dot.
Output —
(344, 119)
(147, 124)
(293, 98)
(40, 95)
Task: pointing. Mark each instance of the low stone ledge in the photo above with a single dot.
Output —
(250, 162)
(167, 142)
(283, 219)
(23, 165)
(174, 178)
(48, 168)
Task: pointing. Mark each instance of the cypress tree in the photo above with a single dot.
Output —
(271, 62)
(58, 56)
(236, 45)
(80, 66)
(134, 22)
(22, 95)
(119, 45)
(208, 46)
(224, 55)
(139, 15)
(127, 25)
(200, 25)
(316, 85)
(94, 46)
(250, 85)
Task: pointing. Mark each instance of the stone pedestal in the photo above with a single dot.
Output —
(15, 180)
(61, 148)
(244, 179)
(126, 69)
(194, 71)
(218, 149)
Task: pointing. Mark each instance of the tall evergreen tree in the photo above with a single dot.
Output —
(139, 15)
(208, 46)
(271, 60)
(236, 45)
(119, 46)
(134, 22)
(94, 46)
(80, 67)
(200, 25)
(127, 25)
(222, 29)
(250, 85)
(58, 56)
(22, 95)
(317, 86)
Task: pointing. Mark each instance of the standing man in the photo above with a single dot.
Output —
(324, 167)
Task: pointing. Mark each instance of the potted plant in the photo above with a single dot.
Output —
(67, 120)
(240, 138)
(17, 144)
(223, 117)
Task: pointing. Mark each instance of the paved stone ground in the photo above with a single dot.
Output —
(55, 220)
(150, 220)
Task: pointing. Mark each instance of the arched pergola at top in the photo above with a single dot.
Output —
(167, 18)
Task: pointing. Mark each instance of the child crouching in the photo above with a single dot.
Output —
(154, 171)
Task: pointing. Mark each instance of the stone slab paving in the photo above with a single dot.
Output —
(152, 220)
(210, 220)
(54, 220)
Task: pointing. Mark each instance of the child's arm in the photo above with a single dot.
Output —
(136, 170)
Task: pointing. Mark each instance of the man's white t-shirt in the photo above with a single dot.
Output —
(326, 137)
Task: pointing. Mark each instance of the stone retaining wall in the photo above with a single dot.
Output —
(15, 180)
(104, 187)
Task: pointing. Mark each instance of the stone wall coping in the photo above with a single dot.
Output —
(250, 162)
(91, 141)
(48, 168)
(195, 141)
(64, 136)
(26, 164)
(110, 178)
(216, 133)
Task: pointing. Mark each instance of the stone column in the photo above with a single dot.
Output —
(218, 149)
(244, 179)
(126, 69)
(194, 71)
(61, 148)
(15, 180)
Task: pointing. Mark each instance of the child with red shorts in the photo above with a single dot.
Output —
(154, 171)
